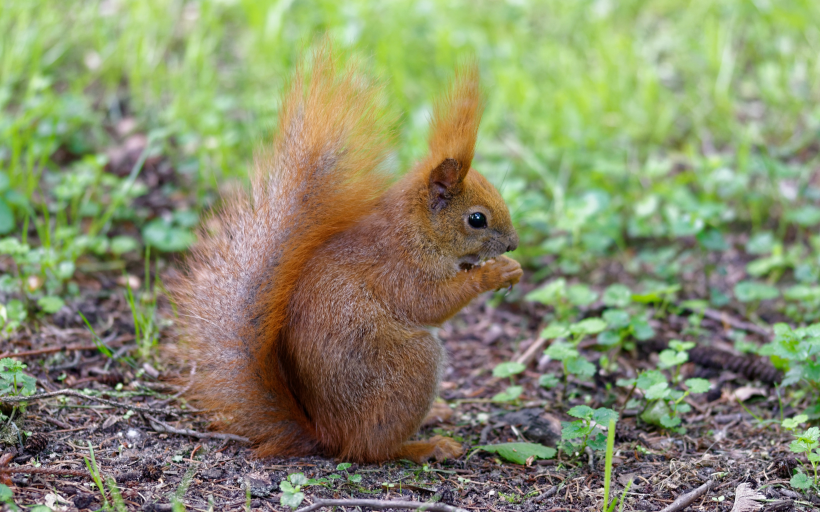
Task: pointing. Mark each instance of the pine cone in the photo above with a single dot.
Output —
(36, 442)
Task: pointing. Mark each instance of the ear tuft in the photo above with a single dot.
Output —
(445, 182)
(456, 117)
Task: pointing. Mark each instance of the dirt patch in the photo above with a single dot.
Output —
(722, 440)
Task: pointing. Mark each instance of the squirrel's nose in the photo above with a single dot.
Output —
(513, 245)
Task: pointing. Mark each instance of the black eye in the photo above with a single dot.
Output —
(477, 220)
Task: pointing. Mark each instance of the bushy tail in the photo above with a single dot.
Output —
(321, 175)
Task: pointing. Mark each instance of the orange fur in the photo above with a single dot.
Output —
(305, 309)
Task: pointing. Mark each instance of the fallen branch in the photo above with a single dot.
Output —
(531, 351)
(49, 350)
(183, 390)
(552, 491)
(722, 316)
(685, 500)
(160, 426)
(77, 394)
(382, 504)
(45, 471)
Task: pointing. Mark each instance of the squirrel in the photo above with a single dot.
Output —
(307, 304)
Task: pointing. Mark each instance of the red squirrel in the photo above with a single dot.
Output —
(306, 304)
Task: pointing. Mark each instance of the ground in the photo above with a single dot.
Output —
(722, 439)
(662, 167)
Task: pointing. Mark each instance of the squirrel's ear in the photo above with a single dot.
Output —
(445, 182)
(453, 133)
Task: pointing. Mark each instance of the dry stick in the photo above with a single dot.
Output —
(46, 471)
(382, 504)
(552, 491)
(77, 394)
(724, 317)
(531, 351)
(183, 390)
(49, 350)
(160, 426)
(685, 500)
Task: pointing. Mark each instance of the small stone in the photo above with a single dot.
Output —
(211, 474)
(260, 484)
(82, 501)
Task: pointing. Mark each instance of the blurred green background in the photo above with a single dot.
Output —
(660, 126)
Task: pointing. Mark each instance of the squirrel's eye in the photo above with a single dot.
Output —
(477, 220)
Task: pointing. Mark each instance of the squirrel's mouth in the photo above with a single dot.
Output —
(471, 261)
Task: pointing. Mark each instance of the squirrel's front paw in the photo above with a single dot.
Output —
(502, 272)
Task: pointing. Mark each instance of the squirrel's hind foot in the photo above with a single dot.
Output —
(437, 447)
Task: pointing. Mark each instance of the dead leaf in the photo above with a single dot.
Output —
(439, 413)
(745, 498)
(625, 478)
(746, 392)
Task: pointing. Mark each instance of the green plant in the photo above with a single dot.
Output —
(12, 315)
(508, 370)
(610, 451)
(13, 380)
(674, 357)
(621, 326)
(96, 475)
(519, 453)
(38, 274)
(292, 494)
(179, 493)
(796, 352)
(587, 430)
(806, 444)
(802, 303)
(753, 292)
(101, 346)
(776, 263)
(7, 498)
(144, 310)
(572, 362)
(624, 322)
(344, 466)
(564, 298)
(664, 404)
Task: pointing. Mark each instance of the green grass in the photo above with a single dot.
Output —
(653, 133)
(584, 97)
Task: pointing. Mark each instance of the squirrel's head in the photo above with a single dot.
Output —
(467, 215)
(468, 219)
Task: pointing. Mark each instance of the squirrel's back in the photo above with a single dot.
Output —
(319, 177)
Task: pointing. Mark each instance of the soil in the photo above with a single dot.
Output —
(723, 441)
(147, 467)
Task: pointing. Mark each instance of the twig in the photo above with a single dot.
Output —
(77, 394)
(45, 471)
(685, 500)
(531, 351)
(552, 491)
(49, 350)
(160, 426)
(55, 421)
(382, 504)
(722, 316)
(184, 389)
(588, 451)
